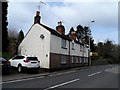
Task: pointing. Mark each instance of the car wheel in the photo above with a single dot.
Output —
(19, 68)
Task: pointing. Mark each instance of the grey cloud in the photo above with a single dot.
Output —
(105, 15)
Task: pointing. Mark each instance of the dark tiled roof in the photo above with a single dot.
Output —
(78, 42)
(56, 33)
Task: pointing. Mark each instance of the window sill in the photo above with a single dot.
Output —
(63, 63)
(64, 47)
(73, 49)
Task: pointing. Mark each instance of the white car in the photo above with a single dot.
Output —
(25, 62)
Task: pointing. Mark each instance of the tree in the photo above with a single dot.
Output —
(20, 37)
(108, 47)
(93, 47)
(87, 35)
(108, 51)
(80, 33)
(13, 44)
(4, 27)
(71, 30)
(100, 49)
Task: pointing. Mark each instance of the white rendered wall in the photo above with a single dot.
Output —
(55, 46)
(34, 45)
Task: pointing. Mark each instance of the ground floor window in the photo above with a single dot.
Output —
(72, 60)
(77, 60)
(80, 59)
(86, 60)
(63, 59)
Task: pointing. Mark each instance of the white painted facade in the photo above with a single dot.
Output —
(78, 50)
(34, 45)
(55, 46)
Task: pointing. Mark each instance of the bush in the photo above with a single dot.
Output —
(6, 55)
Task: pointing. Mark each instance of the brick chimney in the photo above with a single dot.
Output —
(60, 28)
(73, 35)
(37, 18)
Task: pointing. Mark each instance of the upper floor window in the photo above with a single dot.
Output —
(63, 43)
(81, 47)
(73, 46)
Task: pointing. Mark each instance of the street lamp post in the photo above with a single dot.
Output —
(89, 61)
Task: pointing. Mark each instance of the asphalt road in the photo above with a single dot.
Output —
(105, 76)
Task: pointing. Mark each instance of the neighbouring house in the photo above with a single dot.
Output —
(53, 48)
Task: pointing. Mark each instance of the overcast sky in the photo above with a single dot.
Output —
(105, 14)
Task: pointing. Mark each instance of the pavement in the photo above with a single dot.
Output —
(104, 76)
(14, 75)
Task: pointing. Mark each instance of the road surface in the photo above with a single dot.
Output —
(105, 76)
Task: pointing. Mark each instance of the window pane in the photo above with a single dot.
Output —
(72, 61)
(63, 43)
(19, 57)
(63, 59)
(76, 59)
(31, 58)
(73, 45)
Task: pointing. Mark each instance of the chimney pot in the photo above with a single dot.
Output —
(37, 18)
(60, 28)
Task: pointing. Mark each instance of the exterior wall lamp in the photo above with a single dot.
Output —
(42, 36)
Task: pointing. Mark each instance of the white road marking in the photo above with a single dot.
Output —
(58, 74)
(107, 70)
(113, 70)
(110, 65)
(62, 84)
(94, 74)
(69, 72)
(51, 75)
(21, 80)
(62, 73)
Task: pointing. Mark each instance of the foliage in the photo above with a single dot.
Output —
(6, 55)
(14, 40)
(4, 27)
(20, 37)
(109, 51)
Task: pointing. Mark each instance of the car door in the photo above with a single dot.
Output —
(13, 61)
(17, 60)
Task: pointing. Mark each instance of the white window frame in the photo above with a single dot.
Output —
(73, 45)
(81, 47)
(72, 60)
(63, 43)
(63, 59)
(77, 60)
(80, 59)
(86, 60)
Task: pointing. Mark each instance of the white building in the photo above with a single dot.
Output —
(53, 48)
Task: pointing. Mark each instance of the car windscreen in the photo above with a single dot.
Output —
(19, 57)
(31, 58)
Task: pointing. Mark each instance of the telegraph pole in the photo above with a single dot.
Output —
(89, 61)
